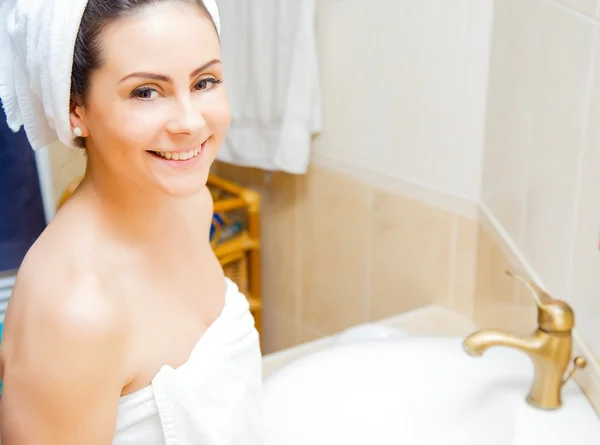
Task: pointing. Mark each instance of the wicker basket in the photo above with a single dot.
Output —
(235, 267)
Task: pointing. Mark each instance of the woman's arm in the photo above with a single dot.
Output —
(62, 355)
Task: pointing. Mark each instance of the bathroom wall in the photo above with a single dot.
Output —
(385, 221)
(541, 186)
(338, 251)
(404, 87)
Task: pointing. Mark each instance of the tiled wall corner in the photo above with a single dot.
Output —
(502, 302)
(585, 279)
(541, 161)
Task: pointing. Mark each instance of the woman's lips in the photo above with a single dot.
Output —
(179, 158)
(179, 155)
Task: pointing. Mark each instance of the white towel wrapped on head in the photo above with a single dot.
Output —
(37, 42)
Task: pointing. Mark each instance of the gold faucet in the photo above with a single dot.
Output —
(549, 347)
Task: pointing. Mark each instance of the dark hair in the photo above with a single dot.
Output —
(87, 56)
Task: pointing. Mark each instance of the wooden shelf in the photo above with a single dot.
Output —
(255, 303)
(240, 255)
(239, 243)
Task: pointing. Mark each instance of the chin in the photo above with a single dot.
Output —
(181, 178)
(184, 186)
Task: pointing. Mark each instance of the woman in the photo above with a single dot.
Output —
(122, 327)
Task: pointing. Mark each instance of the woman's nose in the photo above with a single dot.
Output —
(185, 118)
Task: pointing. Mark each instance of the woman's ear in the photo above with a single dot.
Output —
(77, 118)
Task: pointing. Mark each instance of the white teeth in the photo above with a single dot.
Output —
(179, 156)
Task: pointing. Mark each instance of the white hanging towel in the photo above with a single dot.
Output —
(271, 70)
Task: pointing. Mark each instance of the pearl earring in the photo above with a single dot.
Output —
(78, 132)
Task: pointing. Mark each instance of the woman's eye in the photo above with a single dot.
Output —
(145, 93)
(205, 84)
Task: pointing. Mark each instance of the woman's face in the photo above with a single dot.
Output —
(157, 111)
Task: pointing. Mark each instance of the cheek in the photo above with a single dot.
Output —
(222, 120)
(127, 125)
(116, 123)
(218, 114)
(137, 126)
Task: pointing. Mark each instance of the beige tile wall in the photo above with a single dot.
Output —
(542, 154)
(502, 302)
(404, 88)
(338, 252)
(411, 250)
(541, 167)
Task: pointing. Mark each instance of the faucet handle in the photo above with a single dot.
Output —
(553, 315)
(578, 363)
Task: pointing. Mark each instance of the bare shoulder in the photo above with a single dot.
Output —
(59, 300)
(56, 293)
(62, 353)
(57, 305)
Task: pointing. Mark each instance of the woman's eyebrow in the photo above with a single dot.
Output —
(163, 78)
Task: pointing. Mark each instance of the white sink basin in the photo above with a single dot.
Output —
(417, 391)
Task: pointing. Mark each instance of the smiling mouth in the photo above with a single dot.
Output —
(177, 156)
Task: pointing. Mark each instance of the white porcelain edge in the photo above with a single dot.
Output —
(274, 361)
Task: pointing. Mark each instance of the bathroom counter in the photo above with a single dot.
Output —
(429, 320)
